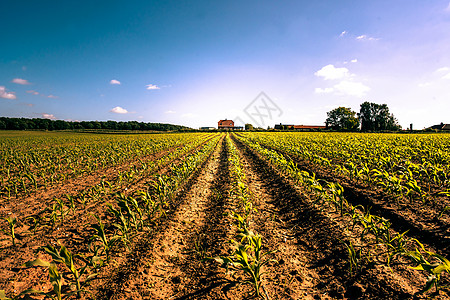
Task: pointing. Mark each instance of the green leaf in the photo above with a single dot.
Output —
(38, 263)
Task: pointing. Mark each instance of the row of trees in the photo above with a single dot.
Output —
(46, 124)
(371, 117)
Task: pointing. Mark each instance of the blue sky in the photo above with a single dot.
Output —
(196, 62)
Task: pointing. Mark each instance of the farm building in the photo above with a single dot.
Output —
(441, 126)
(299, 127)
(228, 125)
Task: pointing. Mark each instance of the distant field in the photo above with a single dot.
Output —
(224, 215)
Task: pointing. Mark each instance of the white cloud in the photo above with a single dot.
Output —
(343, 33)
(4, 94)
(443, 69)
(424, 84)
(32, 92)
(48, 116)
(331, 72)
(189, 115)
(351, 88)
(323, 91)
(114, 81)
(119, 110)
(170, 112)
(365, 37)
(446, 76)
(354, 60)
(20, 81)
(52, 96)
(345, 87)
(152, 87)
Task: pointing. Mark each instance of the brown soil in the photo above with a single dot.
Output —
(420, 220)
(169, 260)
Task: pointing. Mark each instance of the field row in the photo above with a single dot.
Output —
(232, 216)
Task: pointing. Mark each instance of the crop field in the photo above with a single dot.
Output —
(242, 215)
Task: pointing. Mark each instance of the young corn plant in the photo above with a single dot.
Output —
(11, 229)
(434, 268)
(121, 224)
(55, 277)
(247, 257)
(74, 278)
(100, 235)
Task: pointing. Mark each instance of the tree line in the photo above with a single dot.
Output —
(46, 124)
(371, 117)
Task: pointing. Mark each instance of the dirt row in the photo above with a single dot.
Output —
(73, 233)
(166, 263)
(171, 260)
(420, 220)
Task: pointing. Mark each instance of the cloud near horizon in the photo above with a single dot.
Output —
(114, 81)
(48, 116)
(152, 87)
(346, 86)
(330, 72)
(32, 92)
(6, 95)
(119, 110)
(20, 81)
(365, 37)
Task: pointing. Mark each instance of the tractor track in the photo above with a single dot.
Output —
(72, 237)
(320, 239)
(163, 263)
(403, 219)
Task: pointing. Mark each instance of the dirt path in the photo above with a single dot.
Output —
(74, 233)
(290, 277)
(318, 239)
(37, 200)
(167, 264)
(419, 220)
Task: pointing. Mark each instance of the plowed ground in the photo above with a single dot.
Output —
(170, 259)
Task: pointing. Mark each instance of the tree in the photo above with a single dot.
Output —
(376, 117)
(248, 126)
(342, 118)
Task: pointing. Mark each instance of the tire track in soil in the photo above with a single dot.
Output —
(404, 218)
(75, 238)
(73, 186)
(164, 265)
(318, 240)
(290, 277)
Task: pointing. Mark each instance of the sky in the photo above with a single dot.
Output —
(196, 62)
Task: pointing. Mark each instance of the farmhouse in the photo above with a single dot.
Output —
(299, 127)
(228, 125)
(441, 126)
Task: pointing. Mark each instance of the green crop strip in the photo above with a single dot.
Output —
(247, 254)
(377, 242)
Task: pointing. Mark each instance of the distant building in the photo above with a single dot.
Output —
(441, 126)
(299, 127)
(228, 125)
(207, 128)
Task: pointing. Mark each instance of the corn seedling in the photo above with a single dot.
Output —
(100, 235)
(247, 257)
(54, 276)
(11, 232)
(434, 269)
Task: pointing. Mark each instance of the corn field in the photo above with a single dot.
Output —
(247, 215)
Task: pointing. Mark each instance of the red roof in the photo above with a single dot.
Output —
(226, 123)
(309, 127)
